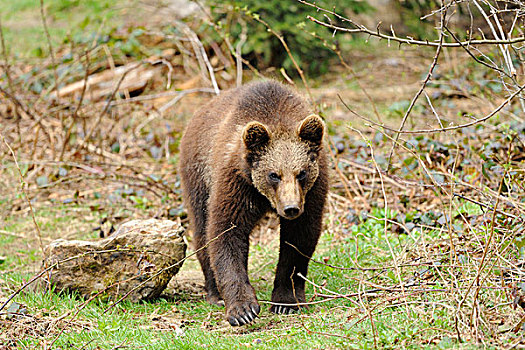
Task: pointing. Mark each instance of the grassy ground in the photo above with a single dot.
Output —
(67, 21)
(182, 319)
(427, 255)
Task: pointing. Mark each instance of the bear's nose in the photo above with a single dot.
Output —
(291, 211)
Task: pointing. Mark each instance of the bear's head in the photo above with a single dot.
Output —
(284, 165)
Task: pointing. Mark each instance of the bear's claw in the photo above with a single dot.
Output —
(242, 313)
(283, 309)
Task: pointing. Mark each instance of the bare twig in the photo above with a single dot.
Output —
(376, 33)
(430, 131)
(49, 44)
(287, 49)
(420, 91)
(30, 206)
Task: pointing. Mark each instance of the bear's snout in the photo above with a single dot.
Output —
(289, 197)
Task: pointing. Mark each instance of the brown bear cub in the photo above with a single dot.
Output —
(248, 151)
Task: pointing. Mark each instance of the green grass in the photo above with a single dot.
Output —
(153, 324)
(23, 28)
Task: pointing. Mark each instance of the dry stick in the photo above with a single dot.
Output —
(489, 207)
(431, 263)
(29, 113)
(347, 296)
(196, 50)
(430, 131)
(361, 86)
(209, 66)
(299, 70)
(288, 79)
(449, 224)
(302, 323)
(508, 59)
(49, 268)
(6, 58)
(3, 232)
(392, 179)
(200, 53)
(342, 176)
(474, 57)
(170, 103)
(83, 306)
(227, 40)
(438, 185)
(238, 52)
(51, 52)
(301, 319)
(84, 86)
(504, 49)
(75, 112)
(376, 33)
(443, 7)
(416, 97)
(154, 96)
(22, 187)
(61, 79)
(106, 107)
(482, 263)
(453, 255)
(434, 111)
(398, 272)
(337, 51)
(489, 241)
(370, 292)
(369, 314)
(309, 331)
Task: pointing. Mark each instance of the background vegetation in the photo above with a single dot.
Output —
(423, 239)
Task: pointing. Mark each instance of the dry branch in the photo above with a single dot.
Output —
(359, 28)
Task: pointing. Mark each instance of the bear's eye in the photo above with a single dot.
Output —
(274, 177)
(301, 176)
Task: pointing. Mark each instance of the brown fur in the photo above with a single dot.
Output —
(250, 150)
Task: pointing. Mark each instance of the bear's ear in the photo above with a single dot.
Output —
(311, 130)
(255, 135)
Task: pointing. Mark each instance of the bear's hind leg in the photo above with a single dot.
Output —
(197, 201)
(212, 293)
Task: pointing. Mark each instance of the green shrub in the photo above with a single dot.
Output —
(288, 18)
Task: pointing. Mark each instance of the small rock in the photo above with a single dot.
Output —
(140, 258)
(15, 311)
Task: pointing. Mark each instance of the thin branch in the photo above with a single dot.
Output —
(50, 45)
(22, 187)
(376, 33)
(430, 131)
(420, 91)
(296, 65)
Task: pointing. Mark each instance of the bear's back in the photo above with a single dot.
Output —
(268, 102)
(272, 104)
(213, 135)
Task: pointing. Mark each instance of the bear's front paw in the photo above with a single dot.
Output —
(289, 301)
(242, 312)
